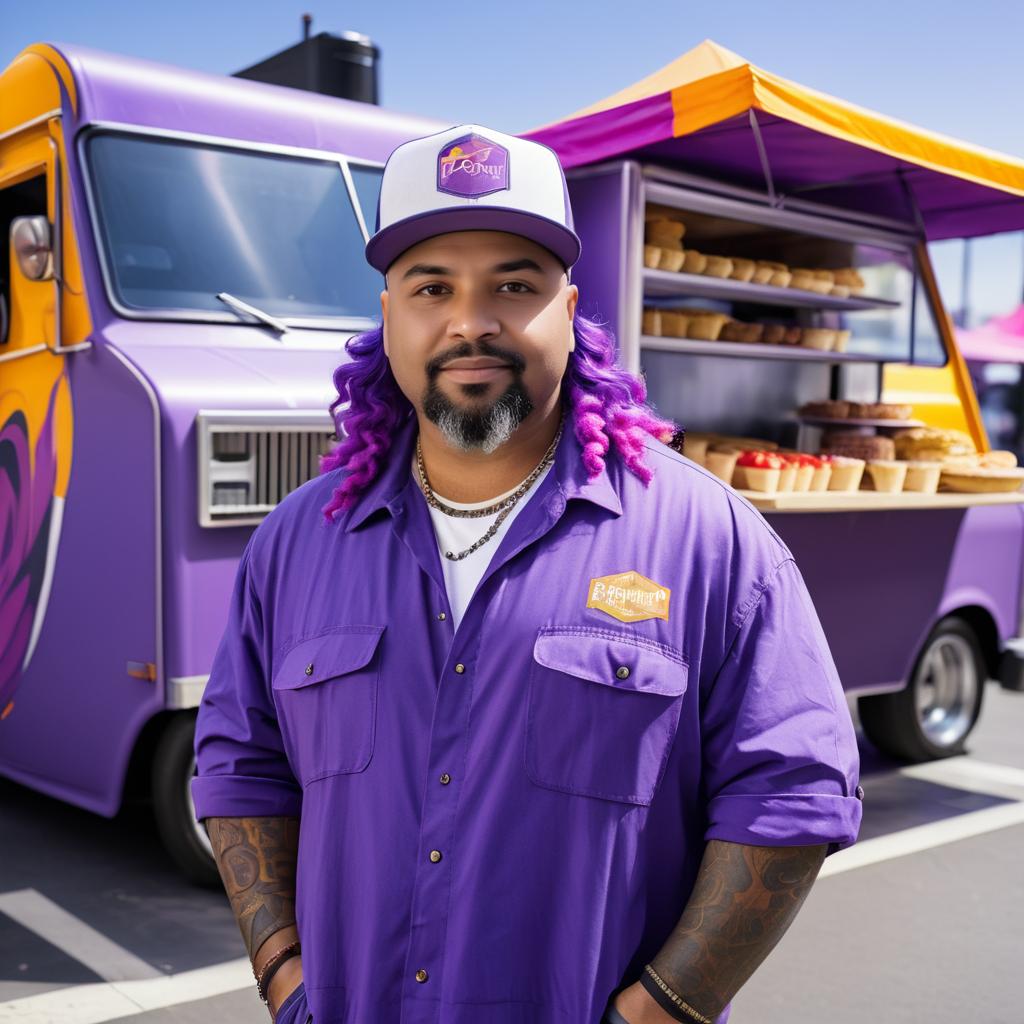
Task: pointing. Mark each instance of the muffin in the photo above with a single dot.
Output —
(652, 256)
(706, 326)
(820, 338)
(671, 259)
(674, 323)
(774, 334)
(694, 262)
(841, 341)
(922, 477)
(850, 278)
(721, 463)
(718, 266)
(742, 270)
(802, 279)
(652, 322)
(664, 232)
(846, 472)
(762, 272)
(782, 278)
(886, 475)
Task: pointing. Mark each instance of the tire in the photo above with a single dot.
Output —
(934, 714)
(183, 837)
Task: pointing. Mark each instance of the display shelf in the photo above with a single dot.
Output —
(745, 350)
(850, 421)
(870, 501)
(681, 285)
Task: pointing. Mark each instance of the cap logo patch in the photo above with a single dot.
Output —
(472, 166)
(629, 597)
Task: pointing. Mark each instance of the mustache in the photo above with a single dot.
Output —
(466, 351)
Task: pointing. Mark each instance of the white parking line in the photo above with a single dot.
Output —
(106, 958)
(958, 773)
(93, 1004)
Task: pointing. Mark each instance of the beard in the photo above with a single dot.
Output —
(486, 428)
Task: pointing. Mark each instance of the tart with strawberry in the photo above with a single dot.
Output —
(760, 471)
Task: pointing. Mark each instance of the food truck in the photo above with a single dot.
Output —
(184, 265)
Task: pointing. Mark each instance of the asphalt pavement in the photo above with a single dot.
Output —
(919, 922)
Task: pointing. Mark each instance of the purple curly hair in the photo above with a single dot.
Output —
(607, 402)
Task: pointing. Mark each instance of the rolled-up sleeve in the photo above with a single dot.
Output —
(241, 767)
(779, 749)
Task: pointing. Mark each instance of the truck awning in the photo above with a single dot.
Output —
(712, 112)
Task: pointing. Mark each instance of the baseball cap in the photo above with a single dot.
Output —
(471, 178)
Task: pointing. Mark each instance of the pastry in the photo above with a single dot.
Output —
(879, 411)
(695, 446)
(763, 272)
(922, 477)
(758, 471)
(652, 256)
(787, 477)
(706, 326)
(671, 259)
(931, 443)
(825, 410)
(980, 480)
(998, 460)
(842, 339)
(718, 266)
(732, 331)
(774, 334)
(846, 472)
(802, 279)
(753, 334)
(742, 270)
(850, 278)
(726, 442)
(840, 291)
(721, 463)
(652, 322)
(820, 338)
(664, 232)
(886, 475)
(782, 278)
(803, 469)
(694, 262)
(674, 323)
(792, 336)
(857, 445)
(655, 211)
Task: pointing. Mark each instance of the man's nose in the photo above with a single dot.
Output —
(473, 316)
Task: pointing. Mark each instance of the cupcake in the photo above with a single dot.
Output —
(742, 270)
(841, 340)
(763, 272)
(774, 334)
(782, 278)
(674, 323)
(846, 472)
(885, 475)
(706, 326)
(802, 279)
(671, 259)
(758, 471)
(821, 338)
(721, 463)
(922, 477)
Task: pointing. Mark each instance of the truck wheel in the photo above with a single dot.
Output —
(184, 838)
(932, 717)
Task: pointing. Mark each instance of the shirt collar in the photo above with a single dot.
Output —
(388, 490)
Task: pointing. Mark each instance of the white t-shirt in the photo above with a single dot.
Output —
(456, 534)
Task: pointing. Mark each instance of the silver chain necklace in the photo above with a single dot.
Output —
(503, 507)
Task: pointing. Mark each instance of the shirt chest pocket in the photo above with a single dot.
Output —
(602, 713)
(325, 689)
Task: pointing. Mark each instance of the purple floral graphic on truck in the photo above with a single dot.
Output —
(26, 510)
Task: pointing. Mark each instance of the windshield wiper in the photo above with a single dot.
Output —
(243, 307)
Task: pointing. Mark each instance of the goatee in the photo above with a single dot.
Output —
(482, 428)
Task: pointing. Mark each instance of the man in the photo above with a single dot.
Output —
(520, 717)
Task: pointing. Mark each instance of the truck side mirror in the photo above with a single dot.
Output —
(33, 248)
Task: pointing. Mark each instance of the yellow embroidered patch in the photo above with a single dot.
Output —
(629, 597)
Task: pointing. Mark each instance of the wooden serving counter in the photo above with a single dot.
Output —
(869, 501)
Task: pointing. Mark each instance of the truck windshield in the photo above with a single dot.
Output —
(180, 222)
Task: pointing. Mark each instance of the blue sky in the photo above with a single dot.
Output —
(952, 67)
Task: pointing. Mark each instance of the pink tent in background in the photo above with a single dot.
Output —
(999, 340)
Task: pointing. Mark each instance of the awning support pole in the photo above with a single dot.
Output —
(763, 155)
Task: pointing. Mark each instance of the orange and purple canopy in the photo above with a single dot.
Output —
(711, 112)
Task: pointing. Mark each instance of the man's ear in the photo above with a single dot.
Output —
(574, 294)
(384, 320)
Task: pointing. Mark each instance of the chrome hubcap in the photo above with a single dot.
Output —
(197, 828)
(946, 689)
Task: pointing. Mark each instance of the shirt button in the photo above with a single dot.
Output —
(860, 793)
(622, 672)
(309, 669)
(442, 616)
(435, 856)
(421, 975)
(460, 668)
(445, 779)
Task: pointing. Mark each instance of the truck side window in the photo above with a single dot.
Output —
(24, 199)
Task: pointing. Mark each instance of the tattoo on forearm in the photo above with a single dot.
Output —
(744, 899)
(256, 858)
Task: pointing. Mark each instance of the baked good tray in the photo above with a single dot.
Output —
(867, 501)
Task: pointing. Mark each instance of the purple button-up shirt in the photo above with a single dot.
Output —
(502, 824)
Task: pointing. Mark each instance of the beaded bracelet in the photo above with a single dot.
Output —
(668, 1000)
(269, 969)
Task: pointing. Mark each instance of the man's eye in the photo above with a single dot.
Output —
(426, 289)
(517, 284)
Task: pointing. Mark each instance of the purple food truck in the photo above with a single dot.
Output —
(184, 267)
